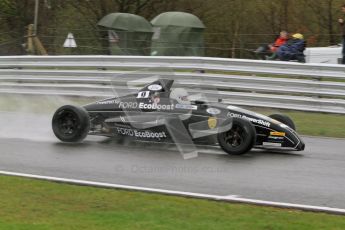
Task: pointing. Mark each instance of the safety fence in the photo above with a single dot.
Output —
(282, 85)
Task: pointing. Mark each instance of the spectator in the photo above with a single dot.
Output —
(270, 49)
(293, 49)
(342, 24)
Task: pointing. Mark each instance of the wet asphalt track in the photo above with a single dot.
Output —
(313, 177)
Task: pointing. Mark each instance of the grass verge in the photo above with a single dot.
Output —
(314, 124)
(33, 204)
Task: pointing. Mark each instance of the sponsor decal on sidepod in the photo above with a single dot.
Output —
(141, 134)
(142, 105)
(155, 106)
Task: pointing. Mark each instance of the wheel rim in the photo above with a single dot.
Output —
(67, 122)
(235, 136)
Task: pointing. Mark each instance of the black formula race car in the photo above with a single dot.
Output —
(159, 113)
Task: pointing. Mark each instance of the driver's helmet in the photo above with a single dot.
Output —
(180, 95)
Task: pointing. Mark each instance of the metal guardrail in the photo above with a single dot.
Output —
(321, 89)
(220, 64)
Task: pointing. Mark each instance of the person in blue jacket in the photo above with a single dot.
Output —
(293, 49)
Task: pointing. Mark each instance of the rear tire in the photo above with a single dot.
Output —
(284, 119)
(71, 123)
(239, 139)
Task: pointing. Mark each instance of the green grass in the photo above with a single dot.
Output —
(32, 204)
(319, 124)
(314, 124)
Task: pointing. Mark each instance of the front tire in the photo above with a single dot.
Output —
(284, 119)
(239, 139)
(71, 123)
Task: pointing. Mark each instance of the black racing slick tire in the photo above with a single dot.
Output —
(71, 123)
(239, 139)
(284, 119)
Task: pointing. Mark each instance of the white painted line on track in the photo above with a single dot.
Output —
(228, 198)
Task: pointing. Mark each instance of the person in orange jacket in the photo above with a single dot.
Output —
(267, 50)
(281, 40)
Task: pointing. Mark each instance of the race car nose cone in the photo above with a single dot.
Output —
(301, 146)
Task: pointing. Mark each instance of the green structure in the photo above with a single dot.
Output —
(128, 34)
(177, 34)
